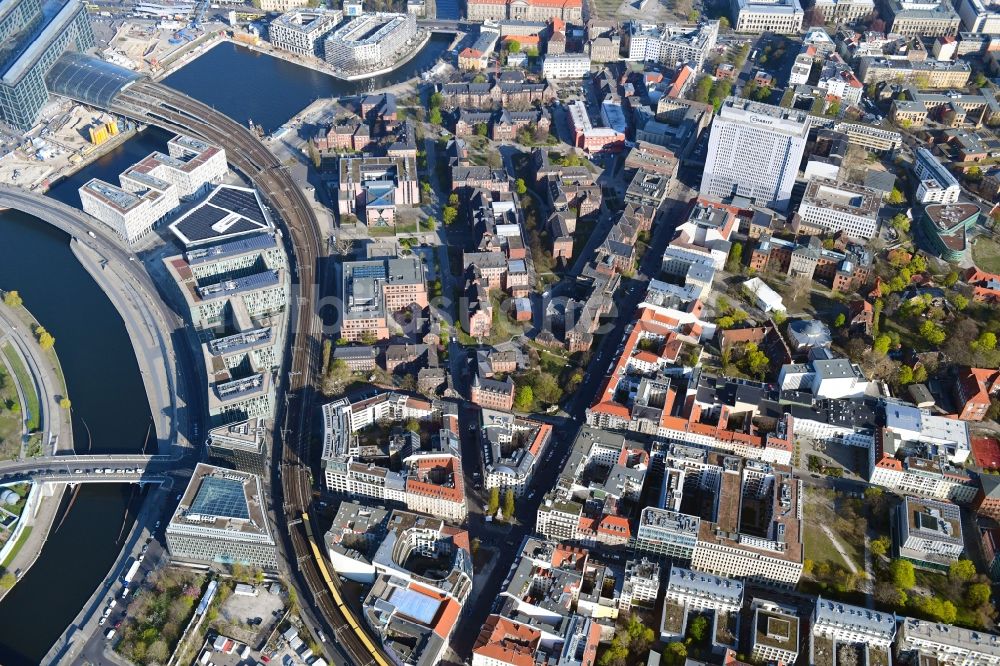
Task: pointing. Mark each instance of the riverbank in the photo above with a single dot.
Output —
(23, 354)
(317, 65)
(31, 532)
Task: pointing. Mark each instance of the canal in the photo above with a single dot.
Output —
(110, 411)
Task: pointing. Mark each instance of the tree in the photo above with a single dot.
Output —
(723, 23)
(431, 223)
(513, 46)
(987, 341)
(12, 299)
(959, 301)
(977, 595)
(314, 155)
(902, 574)
(520, 187)
(494, 502)
(950, 279)
(904, 375)
(698, 629)
(881, 345)
(64, 403)
(449, 214)
(880, 546)
(336, 377)
(481, 129)
(754, 362)
(7, 580)
(508, 504)
(876, 315)
(840, 320)
(675, 654)
(45, 340)
(932, 333)
(896, 197)
(524, 399)
(962, 570)
(735, 260)
(435, 117)
(901, 223)
(327, 349)
(436, 99)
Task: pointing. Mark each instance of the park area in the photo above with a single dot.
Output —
(12, 375)
(833, 540)
(986, 254)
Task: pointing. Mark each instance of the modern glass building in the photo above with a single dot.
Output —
(33, 34)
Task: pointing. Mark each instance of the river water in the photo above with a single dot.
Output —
(110, 411)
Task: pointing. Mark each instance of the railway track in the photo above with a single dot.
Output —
(158, 105)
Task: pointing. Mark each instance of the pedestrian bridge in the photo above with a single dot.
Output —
(110, 468)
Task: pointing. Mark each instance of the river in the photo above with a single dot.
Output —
(110, 412)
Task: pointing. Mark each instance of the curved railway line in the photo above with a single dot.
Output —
(159, 105)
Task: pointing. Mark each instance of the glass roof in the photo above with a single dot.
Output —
(87, 79)
(221, 498)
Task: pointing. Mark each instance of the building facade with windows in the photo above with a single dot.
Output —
(754, 151)
(222, 519)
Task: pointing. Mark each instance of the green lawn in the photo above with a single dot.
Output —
(17, 547)
(986, 254)
(818, 546)
(23, 379)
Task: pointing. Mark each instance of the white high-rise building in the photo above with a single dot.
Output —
(754, 151)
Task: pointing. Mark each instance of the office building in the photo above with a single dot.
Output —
(757, 16)
(666, 535)
(371, 188)
(374, 290)
(240, 446)
(843, 623)
(222, 519)
(841, 207)
(937, 184)
(672, 44)
(570, 11)
(32, 38)
(925, 75)
(566, 66)
(920, 18)
(929, 533)
(775, 632)
(512, 449)
(131, 213)
(979, 18)
(946, 645)
(837, 12)
(242, 281)
(301, 31)
(754, 151)
(947, 228)
(227, 214)
(369, 42)
(421, 470)
(641, 586)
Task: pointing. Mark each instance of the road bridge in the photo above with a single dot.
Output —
(110, 468)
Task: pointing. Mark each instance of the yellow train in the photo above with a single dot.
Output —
(373, 650)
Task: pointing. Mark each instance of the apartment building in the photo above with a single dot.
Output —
(641, 585)
(843, 623)
(301, 31)
(672, 44)
(369, 41)
(373, 290)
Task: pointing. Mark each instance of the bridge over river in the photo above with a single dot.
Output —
(110, 468)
